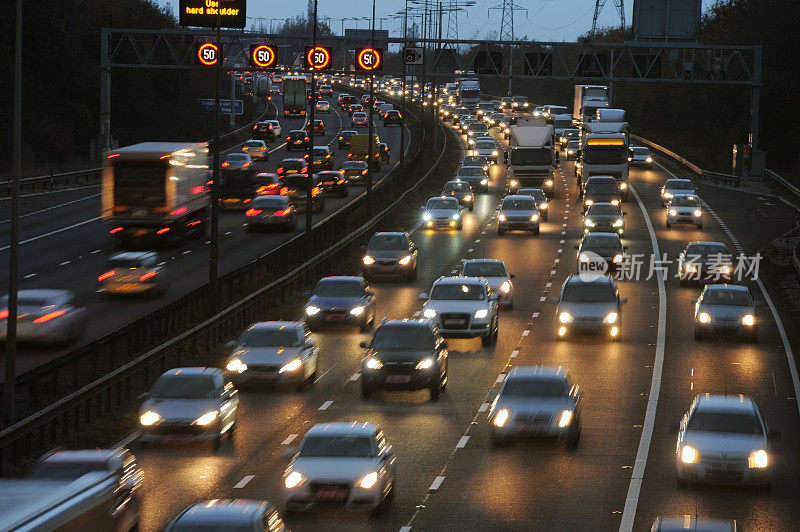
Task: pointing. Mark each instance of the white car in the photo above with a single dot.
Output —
(349, 465)
(256, 149)
(45, 317)
(723, 439)
(276, 127)
(487, 148)
(672, 187)
(442, 213)
(685, 209)
(463, 307)
(496, 274)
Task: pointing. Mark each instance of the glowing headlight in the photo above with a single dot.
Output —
(535, 218)
(368, 260)
(236, 365)
(293, 480)
(570, 152)
(611, 317)
(368, 480)
(690, 268)
(618, 258)
(373, 363)
(494, 153)
(506, 130)
(426, 216)
(667, 195)
(549, 183)
(405, 260)
(468, 197)
(501, 418)
(311, 310)
(618, 223)
(456, 216)
(543, 205)
(588, 202)
(206, 418)
(514, 183)
(485, 181)
(425, 363)
(623, 186)
(758, 459)
(565, 418)
(614, 202)
(485, 168)
(688, 454)
(357, 311)
(673, 212)
(589, 223)
(148, 418)
(697, 213)
(505, 287)
(749, 320)
(429, 313)
(725, 270)
(564, 317)
(501, 217)
(481, 313)
(703, 317)
(294, 365)
(526, 104)
(649, 160)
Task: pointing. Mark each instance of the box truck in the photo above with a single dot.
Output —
(530, 158)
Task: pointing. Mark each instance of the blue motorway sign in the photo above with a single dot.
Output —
(207, 104)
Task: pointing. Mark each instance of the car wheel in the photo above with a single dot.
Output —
(536, 231)
(699, 226)
(366, 391)
(574, 437)
(364, 327)
(500, 232)
(509, 305)
(499, 441)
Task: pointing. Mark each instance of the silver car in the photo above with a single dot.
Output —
(605, 218)
(476, 176)
(237, 161)
(241, 515)
(44, 316)
(134, 273)
(487, 148)
(589, 305)
(723, 439)
(347, 465)
(725, 310)
(189, 405)
(274, 352)
(684, 209)
(541, 200)
(463, 307)
(496, 274)
(518, 213)
(537, 401)
(672, 187)
(442, 213)
(640, 156)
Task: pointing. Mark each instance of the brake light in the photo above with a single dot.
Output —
(328, 156)
(288, 139)
(226, 164)
(148, 275)
(280, 169)
(3, 314)
(314, 191)
(179, 211)
(197, 190)
(284, 191)
(252, 212)
(305, 138)
(162, 231)
(349, 154)
(341, 138)
(284, 212)
(49, 316)
(245, 165)
(363, 171)
(116, 230)
(304, 170)
(245, 148)
(340, 182)
(193, 223)
(106, 275)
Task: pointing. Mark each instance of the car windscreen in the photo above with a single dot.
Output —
(458, 292)
(603, 210)
(679, 184)
(437, 203)
(403, 337)
(354, 165)
(685, 201)
(183, 387)
(511, 204)
(601, 241)
(706, 250)
(457, 187)
(123, 263)
(321, 151)
(485, 145)
(388, 242)
(475, 171)
(254, 144)
(484, 269)
(330, 446)
(726, 297)
(602, 187)
(588, 293)
(537, 193)
(641, 151)
(724, 422)
(235, 157)
(478, 126)
(210, 526)
(26, 301)
(297, 134)
(531, 156)
(287, 337)
(534, 388)
(58, 470)
(266, 202)
(293, 164)
(339, 289)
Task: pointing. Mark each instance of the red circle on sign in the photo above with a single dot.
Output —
(311, 55)
(264, 48)
(202, 48)
(364, 53)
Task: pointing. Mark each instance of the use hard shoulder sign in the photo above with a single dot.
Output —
(203, 13)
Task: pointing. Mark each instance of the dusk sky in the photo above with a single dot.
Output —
(544, 20)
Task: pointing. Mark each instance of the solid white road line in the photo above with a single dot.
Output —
(437, 482)
(635, 486)
(242, 483)
(462, 442)
(405, 529)
(354, 377)
(325, 405)
(289, 439)
(500, 378)
(33, 213)
(35, 238)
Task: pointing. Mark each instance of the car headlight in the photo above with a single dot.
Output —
(456, 216)
(293, 480)
(206, 418)
(570, 152)
(485, 169)
(565, 317)
(758, 459)
(673, 212)
(514, 183)
(481, 313)
(429, 313)
(368, 260)
(468, 197)
(614, 202)
(506, 130)
(425, 363)
(749, 320)
(368, 480)
(697, 213)
(725, 270)
(611, 317)
(236, 365)
(526, 105)
(589, 223)
(485, 181)
(505, 287)
(649, 160)
(501, 217)
(703, 317)
(494, 153)
(588, 202)
(688, 454)
(311, 310)
(618, 258)
(549, 183)
(618, 223)
(148, 418)
(543, 205)
(373, 363)
(667, 195)
(535, 218)
(426, 216)
(501, 418)
(565, 418)
(405, 260)
(623, 186)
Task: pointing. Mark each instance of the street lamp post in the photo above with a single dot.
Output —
(370, 161)
(310, 167)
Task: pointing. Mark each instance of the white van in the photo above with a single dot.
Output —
(383, 108)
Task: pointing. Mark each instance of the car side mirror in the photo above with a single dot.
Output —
(308, 293)
(624, 247)
(423, 296)
(230, 345)
(363, 344)
(143, 396)
(624, 213)
(623, 300)
(694, 300)
(511, 276)
(554, 300)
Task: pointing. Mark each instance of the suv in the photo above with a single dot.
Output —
(407, 354)
(297, 139)
(518, 213)
(390, 254)
(341, 300)
(589, 305)
(393, 116)
(323, 158)
(344, 138)
(600, 189)
(463, 307)
(264, 131)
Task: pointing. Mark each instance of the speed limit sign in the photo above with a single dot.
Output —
(207, 53)
(318, 57)
(262, 56)
(369, 59)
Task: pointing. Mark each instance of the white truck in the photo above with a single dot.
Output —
(588, 99)
(530, 158)
(469, 91)
(604, 151)
(610, 115)
(560, 123)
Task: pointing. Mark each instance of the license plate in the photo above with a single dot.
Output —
(329, 183)
(177, 438)
(231, 200)
(127, 287)
(140, 232)
(334, 317)
(532, 428)
(398, 379)
(386, 269)
(454, 322)
(331, 494)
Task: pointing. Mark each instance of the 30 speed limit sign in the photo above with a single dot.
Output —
(369, 59)
(207, 53)
(318, 57)
(262, 56)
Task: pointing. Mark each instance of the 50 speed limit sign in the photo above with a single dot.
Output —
(206, 53)
(318, 57)
(262, 56)
(369, 59)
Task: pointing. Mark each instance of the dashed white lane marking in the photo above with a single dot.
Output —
(405, 529)
(535, 315)
(289, 439)
(417, 313)
(483, 233)
(566, 217)
(557, 261)
(187, 251)
(65, 263)
(96, 251)
(563, 225)
(462, 442)
(325, 405)
(500, 378)
(548, 285)
(514, 353)
(453, 272)
(437, 482)
(29, 276)
(33, 213)
(242, 483)
(477, 240)
(552, 272)
(560, 241)
(563, 232)
(469, 250)
(542, 299)
(484, 407)
(526, 332)
(227, 233)
(560, 250)
(354, 377)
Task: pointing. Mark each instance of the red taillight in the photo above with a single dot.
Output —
(288, 139)
(284, 191)
(245, 148)
(363, 171)
(162, 231)
(340, 182)
(106, 275)
(399, 115)
(305, 138)
(304, 170)
(116, 230)
(245, 165)
(197, 190)
(148, 275)
(280, 169)
(341, 138)
(226, 164)
(49, 316)
(349, 154)
(247, 200)
(179, 211)
(328, 156)
(3, 314)
(255, 127)
(315, 190)
(193, 223)
(252, 212)
(284, 212)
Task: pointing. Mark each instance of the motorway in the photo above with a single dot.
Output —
(64, 243)
(449, 475)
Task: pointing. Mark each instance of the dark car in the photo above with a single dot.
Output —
(346, 101)
(271, 211)
(407, 354)
(354, 108)
(475, 176)
(295, 187)
(390, 254)
(567, 136)
(263, 131)
(267, 184)
(326, 91)
(542, 203)
(461, 191)
(600, 189)
(297, 139)
(384, 152)
(607, 246)
(341, 300)
(333, 183)
(477, 160)
(292, 166)
(344, 138)
(355, 172)
(393, 116)
(702, 262)
(323, 158)
(319, 127)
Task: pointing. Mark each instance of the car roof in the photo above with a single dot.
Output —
(542, 372)
(390, 233)
(678, 181)
(81, 455)
(728, 403)
(518, 197)
(600, 279)
(274, 325)
(600, 178)
(726, 286)
(693, 524)
(460, 279)
(191, 371)
(450, 200)
(601, 233)
(133, 255)
(293, 160)
(44, 293)
(475, 261)
(222, 511)
(339, 278)
(337, 428)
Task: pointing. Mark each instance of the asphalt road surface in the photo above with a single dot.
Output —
(449, 475)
